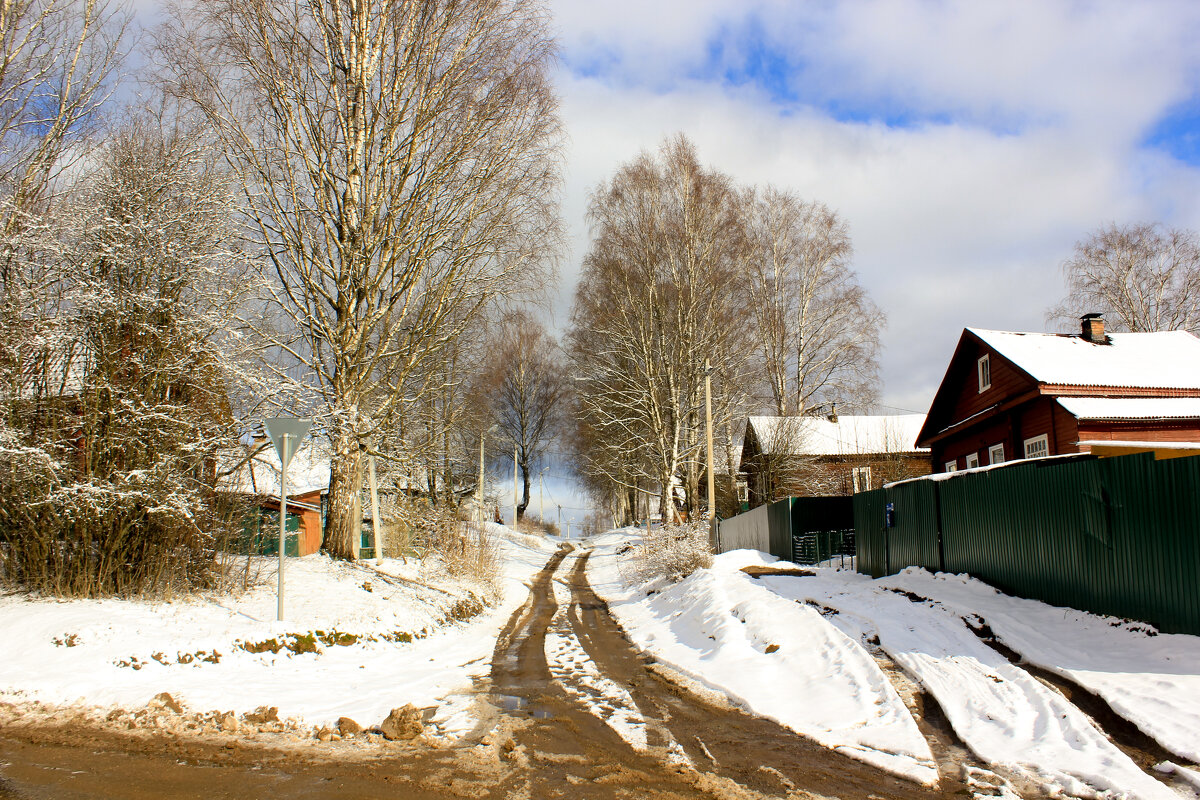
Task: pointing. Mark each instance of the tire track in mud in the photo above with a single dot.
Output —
(564, 748)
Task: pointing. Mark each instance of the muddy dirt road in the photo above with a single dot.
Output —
(571, 710)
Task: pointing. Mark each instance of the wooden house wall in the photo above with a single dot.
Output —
(1041, 415)
(1007, 383)
(311, 534)
(1140, 431)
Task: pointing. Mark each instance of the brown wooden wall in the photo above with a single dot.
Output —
(1008, 383)
(1141, 431)
(1041, 415)
(311, 534)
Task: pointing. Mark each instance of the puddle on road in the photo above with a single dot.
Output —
(520, 705)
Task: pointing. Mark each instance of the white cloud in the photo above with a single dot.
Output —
(954, 225)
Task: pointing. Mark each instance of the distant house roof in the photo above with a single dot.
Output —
(307, 472)
(1163, 360)
(1114, 408)
(850, 435)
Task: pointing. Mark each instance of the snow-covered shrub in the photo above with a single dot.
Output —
(118, 414)
(674, 552)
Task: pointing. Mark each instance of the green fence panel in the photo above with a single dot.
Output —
(1033, 529)
(1154, 520)
(870, 517)
(1117, 536)
(817, 527)
(912, 539)
(814, 547)
(822, 513)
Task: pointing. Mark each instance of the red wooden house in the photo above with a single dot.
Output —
(1013, 395)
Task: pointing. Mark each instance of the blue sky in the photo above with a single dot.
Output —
(967, 144)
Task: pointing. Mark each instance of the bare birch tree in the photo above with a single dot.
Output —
(661, 291)
(400, 168)
(525, 387)
(1145, 277)
(818, 330)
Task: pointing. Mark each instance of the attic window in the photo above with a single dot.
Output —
(984, 369)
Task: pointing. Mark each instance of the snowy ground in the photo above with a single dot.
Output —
(802, 650)
(797, 649)
(124, 653)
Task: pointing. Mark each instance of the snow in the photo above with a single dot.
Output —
(850, 435)
(308, 471)
(716, 627)
(804, 651)
(1162, 360)
(1151, 679)
(1131, 407)
(363, 681)
(1004, 715)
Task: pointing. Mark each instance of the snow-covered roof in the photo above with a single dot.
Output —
(307, 472)
(1100, 408)
(850, 435)
(1163, 360)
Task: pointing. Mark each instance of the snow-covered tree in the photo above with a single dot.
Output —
(110, 472)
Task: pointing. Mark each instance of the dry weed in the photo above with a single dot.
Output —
(674, 552)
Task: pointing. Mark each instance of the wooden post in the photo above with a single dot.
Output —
(712, 485)
(376, 526)
(479, 489)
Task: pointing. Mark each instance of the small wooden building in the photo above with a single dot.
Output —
(1009, 395)
(308, 488)
(829, 454)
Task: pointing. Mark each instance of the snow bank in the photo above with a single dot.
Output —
(1150, 679)
(1006, 716)
(779, 658)
(124, 652)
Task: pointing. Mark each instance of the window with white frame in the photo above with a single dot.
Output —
(951, 466)
(984, 368)
(996, 454)
(972, 460)
(861, 478)
(1037, 447)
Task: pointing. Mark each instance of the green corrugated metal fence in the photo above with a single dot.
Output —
(869, 532)
(1117, 536)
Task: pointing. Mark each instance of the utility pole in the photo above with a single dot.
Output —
(712, 485)
(515, 448)
(376, 523)
(542, 496)
(479, 490)
(560, 520)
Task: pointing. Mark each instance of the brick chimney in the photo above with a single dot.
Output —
(1093, 328)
